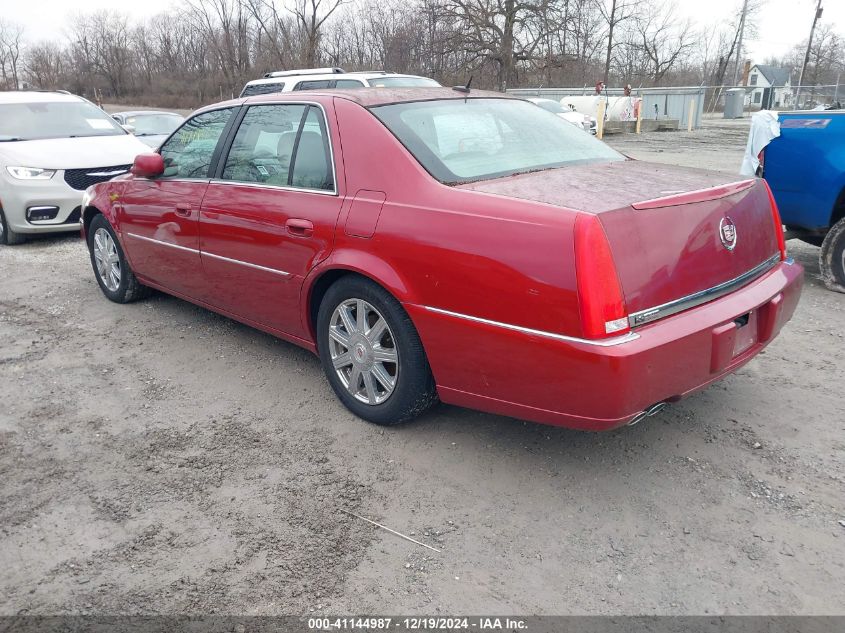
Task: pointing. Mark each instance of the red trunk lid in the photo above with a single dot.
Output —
(664, 224)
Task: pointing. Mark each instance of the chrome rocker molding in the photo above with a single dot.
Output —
(696, 299)
(212, 255)
(608, 342)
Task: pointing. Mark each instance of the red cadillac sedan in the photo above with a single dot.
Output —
(432, 244)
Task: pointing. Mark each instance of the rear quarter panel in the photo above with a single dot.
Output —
(477, 254)
(805, 167)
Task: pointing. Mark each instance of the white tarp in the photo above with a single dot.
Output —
(764, 128)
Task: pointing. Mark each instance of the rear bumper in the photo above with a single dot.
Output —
(567, 382)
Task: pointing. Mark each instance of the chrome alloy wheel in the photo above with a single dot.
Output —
(363, 351)
(107, 259)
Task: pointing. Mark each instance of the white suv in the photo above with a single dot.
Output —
(53, 146)
(320, 78)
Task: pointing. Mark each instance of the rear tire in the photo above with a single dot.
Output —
(832, 258)
(372, 354)
(111, 269)
(7, 235)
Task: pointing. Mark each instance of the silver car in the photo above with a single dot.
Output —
(150, 126)
(54, 145)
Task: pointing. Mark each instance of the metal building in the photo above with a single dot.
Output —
(672, 103)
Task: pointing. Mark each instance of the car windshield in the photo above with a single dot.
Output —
(551, 106)
(54, 119)
(154, 124)
(402, 82)
(465, 140)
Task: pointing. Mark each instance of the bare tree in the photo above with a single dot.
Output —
(663, 40)
(616, 13)
(310, 17)
(11, 47)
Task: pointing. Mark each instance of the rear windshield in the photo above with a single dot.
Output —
(402, 82)
(465, 140)
(54, 119)
(262, 89)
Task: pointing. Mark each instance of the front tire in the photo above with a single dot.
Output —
(7, 235)
(113, 273)
(832, 257)
(372, 354)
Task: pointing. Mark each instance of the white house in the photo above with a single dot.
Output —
(771, 87)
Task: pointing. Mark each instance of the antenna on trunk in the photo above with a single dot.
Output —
(464, 89)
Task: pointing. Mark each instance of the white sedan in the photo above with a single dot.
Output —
(584, 121)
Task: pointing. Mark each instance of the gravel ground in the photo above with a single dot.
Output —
(158, 458)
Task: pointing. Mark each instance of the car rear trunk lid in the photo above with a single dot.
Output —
(675, 252)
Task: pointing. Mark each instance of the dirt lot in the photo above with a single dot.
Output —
(157, 458)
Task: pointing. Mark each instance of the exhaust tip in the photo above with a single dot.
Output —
(647, 413)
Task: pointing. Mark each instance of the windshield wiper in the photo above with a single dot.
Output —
(11, 138)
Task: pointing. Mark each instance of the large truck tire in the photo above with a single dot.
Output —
(832, 258)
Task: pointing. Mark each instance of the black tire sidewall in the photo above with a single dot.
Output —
(414, 391)
(831, 256)
(120, 295)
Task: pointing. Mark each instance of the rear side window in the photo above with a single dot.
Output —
(348, 83)
(188, 153)
(262, 89)
(281, 145)
(311, 166)
(313, 84)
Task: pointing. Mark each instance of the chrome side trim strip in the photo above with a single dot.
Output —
(608, 342)
(160, 243)
(698, 298)
(247, 264)
(261, 185)
(275, 271)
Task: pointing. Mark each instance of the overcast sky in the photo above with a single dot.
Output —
(783, 23)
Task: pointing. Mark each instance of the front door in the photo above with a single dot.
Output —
(270, 216)
(159, 217)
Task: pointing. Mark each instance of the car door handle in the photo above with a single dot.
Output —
(299, 227)
(184, 210)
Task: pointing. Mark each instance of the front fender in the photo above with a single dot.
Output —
(104, 200)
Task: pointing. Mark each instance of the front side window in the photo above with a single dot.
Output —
(188, 153)
(348, 83)
(284, 145)
(464, 140)
(55, 119)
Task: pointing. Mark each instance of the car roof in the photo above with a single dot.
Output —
(380, 96)
(36, 96)
(368, 97)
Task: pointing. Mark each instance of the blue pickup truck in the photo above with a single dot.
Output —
(805, 168)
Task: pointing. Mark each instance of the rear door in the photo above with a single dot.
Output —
(270, 214)
(160, 216)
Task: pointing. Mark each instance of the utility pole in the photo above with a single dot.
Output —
(739, 42)
(807, 54)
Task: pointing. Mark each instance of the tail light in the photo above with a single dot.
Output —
(778, 224)
(602, 305)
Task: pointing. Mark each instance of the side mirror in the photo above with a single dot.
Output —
(147, 166)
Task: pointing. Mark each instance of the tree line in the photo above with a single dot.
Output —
(204, 50)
